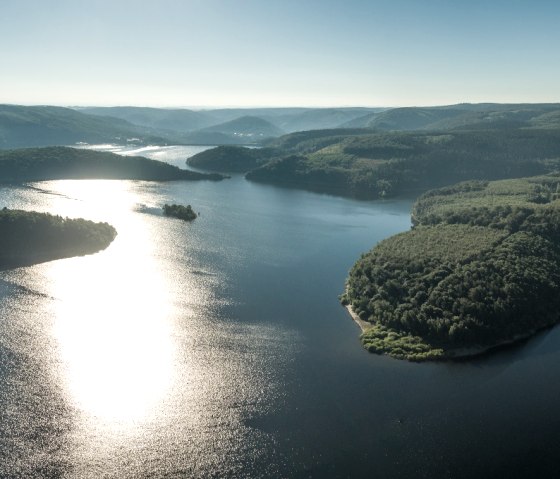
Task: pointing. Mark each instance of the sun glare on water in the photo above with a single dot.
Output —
(112, 318)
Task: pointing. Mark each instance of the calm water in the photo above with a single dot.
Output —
(218, 349)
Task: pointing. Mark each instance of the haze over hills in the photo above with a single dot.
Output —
(247, 126)
(26, 126)
(183, 120)
(466, 115)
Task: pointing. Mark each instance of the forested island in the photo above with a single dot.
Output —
(28, 237)
(181, 212)
(480, 268)
(59, 162)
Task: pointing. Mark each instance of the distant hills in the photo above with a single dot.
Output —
(27, 126)
(251, 127)
(249, 122)
(462, 116)
(161, 119)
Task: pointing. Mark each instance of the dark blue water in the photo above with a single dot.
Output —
(219, 349)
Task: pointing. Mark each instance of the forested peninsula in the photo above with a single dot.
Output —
(59, 162)
(28, 237)
(370, 164)
(231, 159)
(480, 268)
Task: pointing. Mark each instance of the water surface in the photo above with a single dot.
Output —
(218, 348)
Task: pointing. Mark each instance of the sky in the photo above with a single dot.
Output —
(247, 53)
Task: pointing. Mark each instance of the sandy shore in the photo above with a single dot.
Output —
(364, 325)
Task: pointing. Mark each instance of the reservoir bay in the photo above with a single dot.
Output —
(218, 348)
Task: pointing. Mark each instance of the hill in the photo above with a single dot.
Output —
(179, 120)
(480, 269)
(231, 159)
(526, 204)
(26, 126)
(373, 165)
(251, 127)
(463, 116)
(51, 163)
(318, 118)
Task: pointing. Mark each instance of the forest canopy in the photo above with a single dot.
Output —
(29, 237)
(59, 162)
(372, 165)
(480, 267)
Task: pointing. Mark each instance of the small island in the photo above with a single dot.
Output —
(184, 213)
(29, 237)
(479, 269)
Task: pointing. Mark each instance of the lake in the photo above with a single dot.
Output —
(218, 348)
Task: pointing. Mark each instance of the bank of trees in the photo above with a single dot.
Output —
(58, 162)
(464, 277)
(374, 164)
(28, 237)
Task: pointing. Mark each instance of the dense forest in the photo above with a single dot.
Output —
(480, 267)
(52, 163)
(28, 237)
(378, 165)
(231, 159)
(370, 165)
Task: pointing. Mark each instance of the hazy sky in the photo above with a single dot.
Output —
(278, 52)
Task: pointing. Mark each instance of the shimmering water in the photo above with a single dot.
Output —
(218, 349)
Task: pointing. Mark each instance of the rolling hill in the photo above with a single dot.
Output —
(250, 127)
(179, 120)
(26, 126)
(461, 116)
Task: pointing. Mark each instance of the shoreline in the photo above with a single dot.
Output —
(363, 325)
(456, 353)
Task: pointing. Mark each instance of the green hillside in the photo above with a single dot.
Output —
(373, 165)
(481, 268)
(231, 159)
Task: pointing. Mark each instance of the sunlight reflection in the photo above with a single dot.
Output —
(112, 319)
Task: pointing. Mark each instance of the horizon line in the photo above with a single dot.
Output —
(264, 107)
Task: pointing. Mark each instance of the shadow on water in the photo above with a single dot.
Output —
(543, 343)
